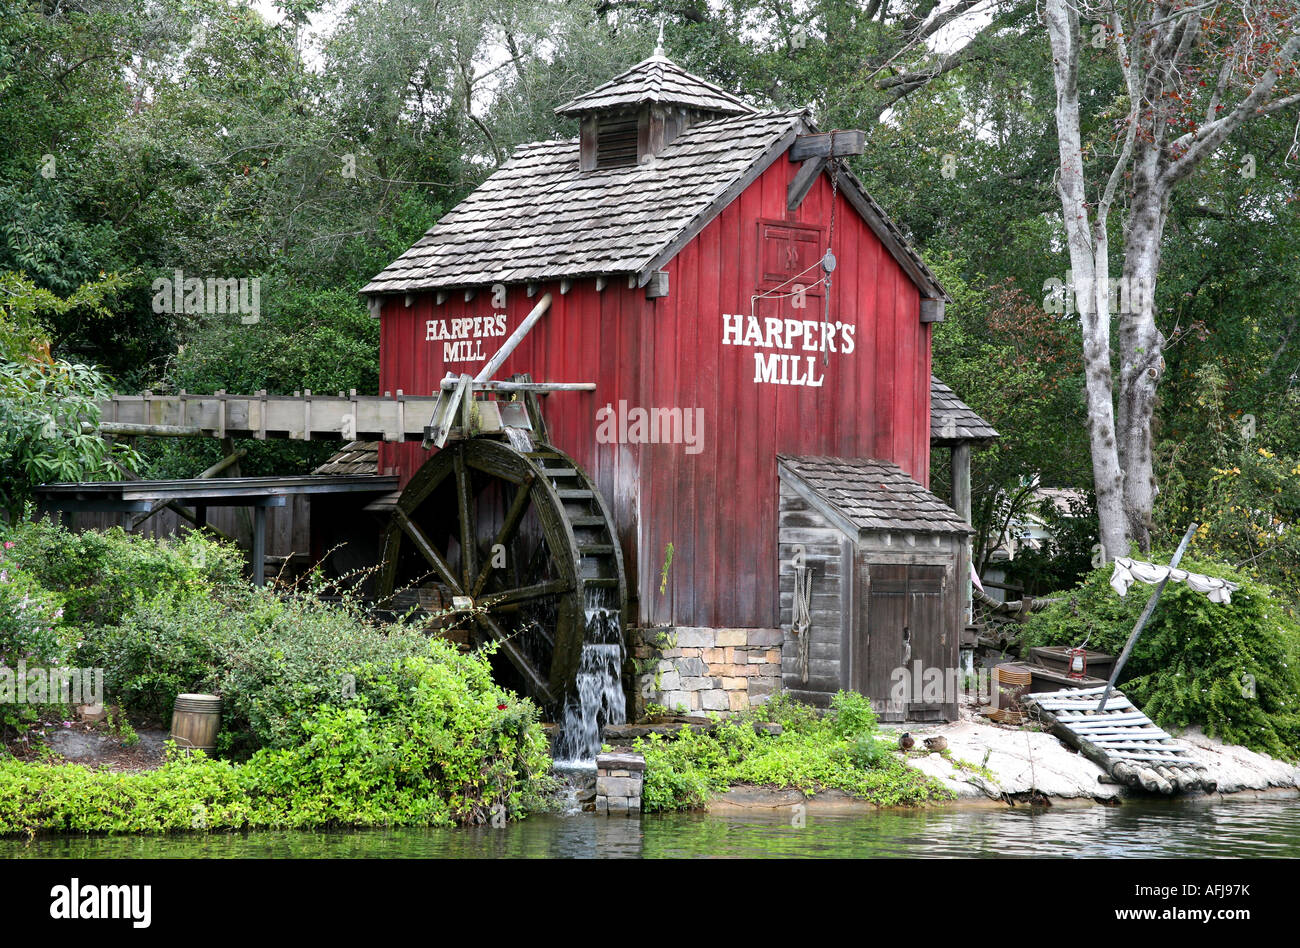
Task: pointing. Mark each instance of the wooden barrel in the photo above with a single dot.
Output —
(196, 719)
(1011, 683)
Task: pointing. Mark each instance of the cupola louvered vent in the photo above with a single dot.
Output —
(616, 140)
(636, 114)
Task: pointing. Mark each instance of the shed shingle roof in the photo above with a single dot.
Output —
(355, 457)
(874, 494)
(952, 420)
(657, 80)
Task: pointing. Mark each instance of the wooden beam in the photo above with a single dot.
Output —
(516, 337)
(230, 460)
(122, 428)
(802, 182)
(451, 383)
(657, 286)
(516, 656)
(259, 546)
(932, 311)
(513, 516)
(961, 495)
(849, 141)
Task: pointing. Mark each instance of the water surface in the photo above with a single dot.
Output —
(1204, 828)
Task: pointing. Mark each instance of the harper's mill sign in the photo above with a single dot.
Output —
(778, 346)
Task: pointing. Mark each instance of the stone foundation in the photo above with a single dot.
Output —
(698, 670)
(619, 778)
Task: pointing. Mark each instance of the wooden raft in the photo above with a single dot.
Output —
(1121, 740)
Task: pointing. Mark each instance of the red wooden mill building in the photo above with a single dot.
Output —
(745, 401)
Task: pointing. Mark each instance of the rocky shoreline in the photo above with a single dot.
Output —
(996, 765)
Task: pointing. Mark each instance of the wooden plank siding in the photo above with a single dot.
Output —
(718, 508)
(823, 544)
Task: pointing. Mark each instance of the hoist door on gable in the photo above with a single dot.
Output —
(789, 254)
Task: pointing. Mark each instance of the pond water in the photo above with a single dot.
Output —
(1206, 828)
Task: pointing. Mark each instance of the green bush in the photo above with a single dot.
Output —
(1233, 669)
(32, 635)
(449, 747)
(43, 405)
(813, 752)
(273, 656)
(101, 574)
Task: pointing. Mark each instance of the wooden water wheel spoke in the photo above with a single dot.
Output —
(515, 654)
(427, 550)
(468, 521)
(537, 591)
(507, 531)
(478, 497)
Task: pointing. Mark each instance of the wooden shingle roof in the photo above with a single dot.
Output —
(355, 457)
(656, 80)
(540, 218)
(873, 494)
(952, 421)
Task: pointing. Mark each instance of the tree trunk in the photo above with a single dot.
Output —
(1089, 261)
(1140, 347)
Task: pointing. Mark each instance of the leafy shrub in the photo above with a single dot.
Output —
(100, 574)
(453, 749)
(274, 657)
(31, 635)
(812, 753)
(1232, 669)
(42, 407)
(852, 716)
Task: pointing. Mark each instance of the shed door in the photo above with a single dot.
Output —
(900, 622)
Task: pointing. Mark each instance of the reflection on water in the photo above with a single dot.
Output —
(1159, 828)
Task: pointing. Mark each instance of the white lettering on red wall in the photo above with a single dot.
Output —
(462, 337)
(787, 340)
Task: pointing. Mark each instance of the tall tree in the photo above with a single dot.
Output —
(1193, 73)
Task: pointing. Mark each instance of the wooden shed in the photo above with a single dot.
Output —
(871, 586)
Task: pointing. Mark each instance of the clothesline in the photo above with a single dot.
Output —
(1127, 570)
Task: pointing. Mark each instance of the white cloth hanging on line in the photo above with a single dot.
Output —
(1127, 570)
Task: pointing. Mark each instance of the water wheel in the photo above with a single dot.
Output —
(514, 544)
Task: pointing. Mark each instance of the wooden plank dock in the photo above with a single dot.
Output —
(1121, 740)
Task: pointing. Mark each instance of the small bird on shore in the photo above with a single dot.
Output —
(935, 744)
(905, 742)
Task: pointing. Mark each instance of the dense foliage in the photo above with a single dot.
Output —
(341, 720)
(32, 634)
(1233, 669)
(101, 575)
(813, 752)
(440, 745)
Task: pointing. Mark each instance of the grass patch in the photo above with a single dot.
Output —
(840, 750)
